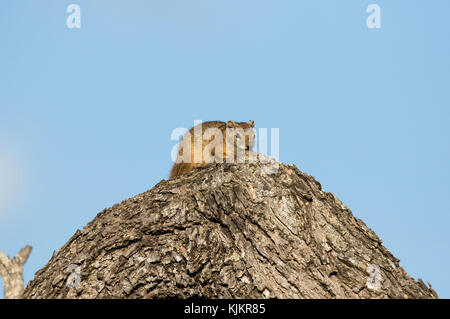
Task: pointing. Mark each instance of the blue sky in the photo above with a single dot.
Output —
(86, 114)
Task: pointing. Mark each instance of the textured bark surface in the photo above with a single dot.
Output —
(11, 271)
(227, 231)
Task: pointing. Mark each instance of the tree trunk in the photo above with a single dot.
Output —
(11, 270)
(227, 231)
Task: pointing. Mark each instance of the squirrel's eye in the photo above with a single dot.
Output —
(238, 135)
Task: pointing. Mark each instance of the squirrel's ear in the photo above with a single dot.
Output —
(252, 123)
(230, 123)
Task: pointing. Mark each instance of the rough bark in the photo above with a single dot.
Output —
(227, 231)
(11, 270)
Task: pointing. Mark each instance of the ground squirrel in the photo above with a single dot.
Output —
(213, 141)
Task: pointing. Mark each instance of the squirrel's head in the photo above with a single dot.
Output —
(241, 134)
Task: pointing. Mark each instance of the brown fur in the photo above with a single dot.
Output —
(180, 167)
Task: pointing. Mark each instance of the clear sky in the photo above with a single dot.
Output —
(86, 114)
